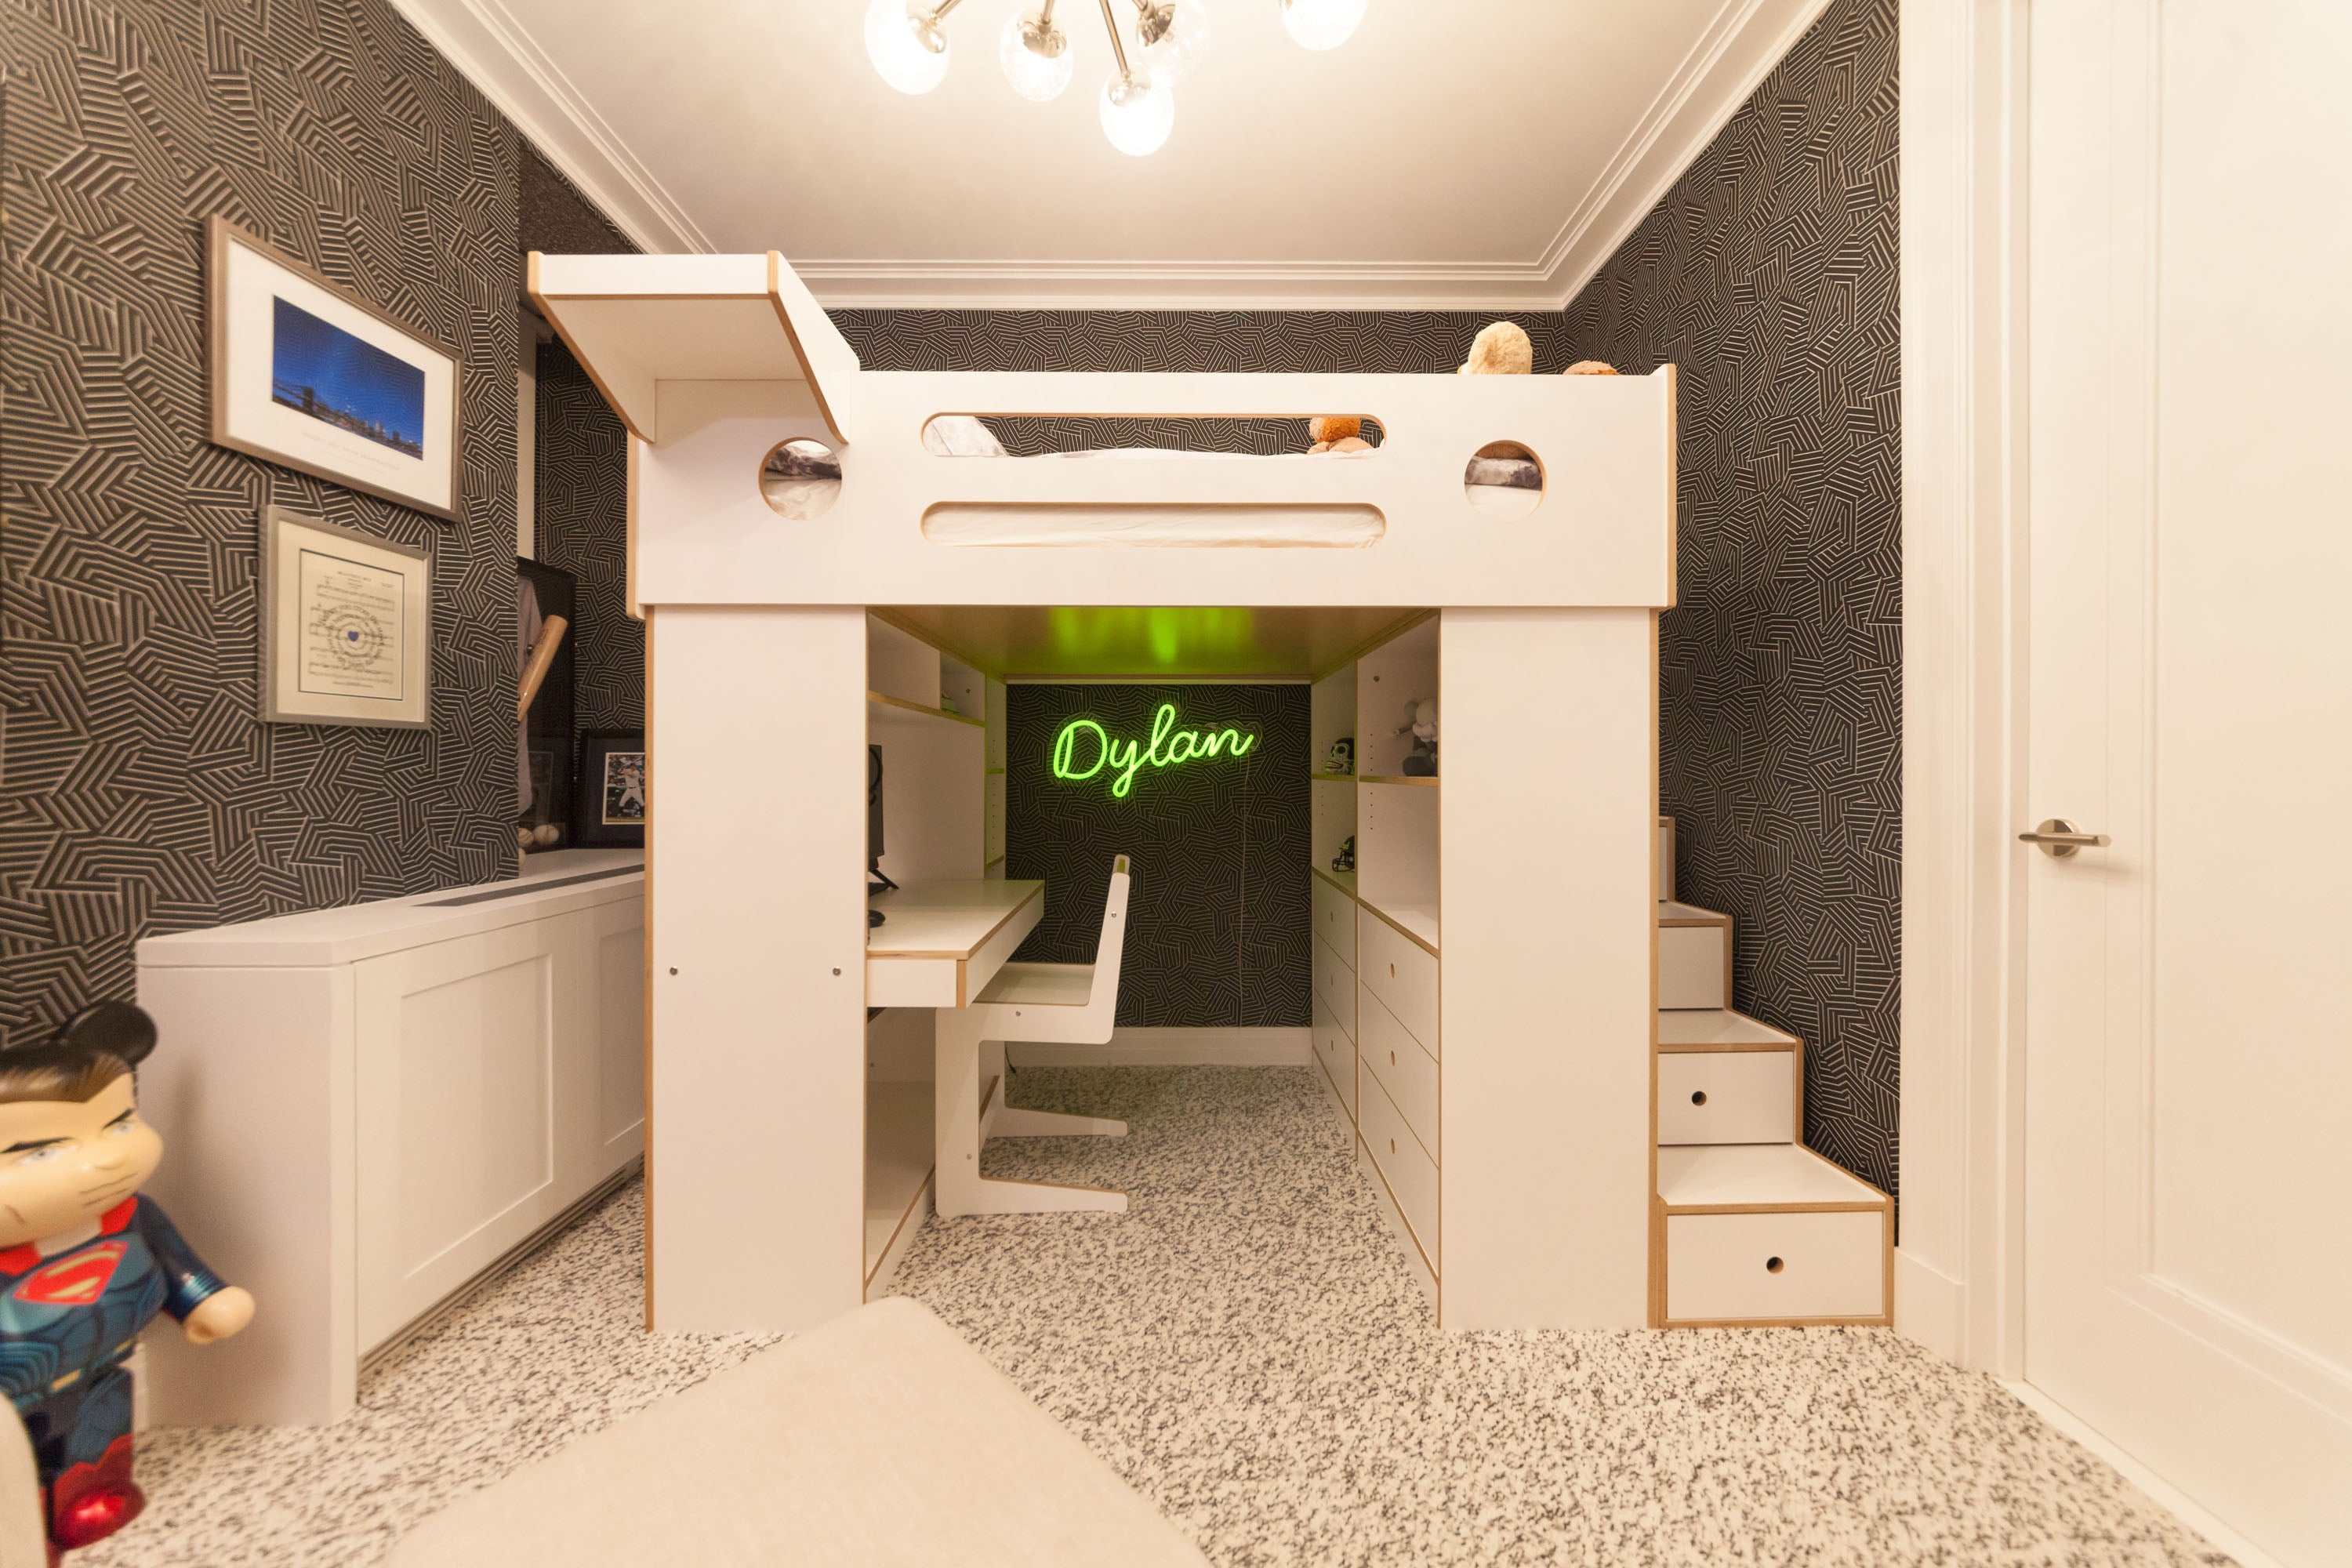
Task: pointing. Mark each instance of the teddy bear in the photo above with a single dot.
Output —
(1337, 432)
(1499, 348)
(1591, 367)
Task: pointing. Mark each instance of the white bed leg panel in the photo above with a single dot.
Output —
(758, 967)
(1550, 819)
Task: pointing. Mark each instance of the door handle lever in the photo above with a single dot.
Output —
(2059, 838)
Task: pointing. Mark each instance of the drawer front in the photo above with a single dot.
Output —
(1403, 974)
(1410, 1173)
(1334, 919)
(1334, 985)
(1390, 1054)
(1722, 1266)
(1726, 1097)
(1337, 1052)
(1693, 969)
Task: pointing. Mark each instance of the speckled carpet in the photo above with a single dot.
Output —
(1245, 1347)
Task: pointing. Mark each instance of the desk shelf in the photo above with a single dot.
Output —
(1416, 783)
(889, 707)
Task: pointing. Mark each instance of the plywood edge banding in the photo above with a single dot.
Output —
(1856, 1206)
(904, 705)
(1403, 1219)
(1340, 888)
(1372, 908)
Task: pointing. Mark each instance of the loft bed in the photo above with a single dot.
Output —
(830, 557)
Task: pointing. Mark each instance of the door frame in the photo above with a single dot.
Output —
(1959, 1271)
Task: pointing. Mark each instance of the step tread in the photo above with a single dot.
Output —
(1717, 1026)
(1673, 912)
(1693, 1175)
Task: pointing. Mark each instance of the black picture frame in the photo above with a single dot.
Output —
(593, 819)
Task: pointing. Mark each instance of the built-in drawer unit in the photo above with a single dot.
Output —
(1404, 1163)
(1747, 1268)
(1335, 987)
(1403, 973)
(1694, 957)
(1769, 1233)
(1335, 918)
(1337, 1052)
(1390, 1053)
(1726, 1097)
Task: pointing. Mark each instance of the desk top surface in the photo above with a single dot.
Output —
(946, 920)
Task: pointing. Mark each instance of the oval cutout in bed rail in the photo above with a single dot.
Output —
(1149, 435)
(1153, 526)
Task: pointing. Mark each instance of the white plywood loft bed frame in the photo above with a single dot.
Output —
(758, 716)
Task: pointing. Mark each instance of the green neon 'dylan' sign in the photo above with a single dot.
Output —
(1168, 747)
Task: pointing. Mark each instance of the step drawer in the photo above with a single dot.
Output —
(1694, 967)
(1726, 1097)
(1403, 973)
(1405, 1164)
(1721, 1266)
(1334, 919)
(1335, 983)
(1390, 1053)
(1337, 1052)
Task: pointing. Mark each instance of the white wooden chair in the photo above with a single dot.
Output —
(1070, 1004)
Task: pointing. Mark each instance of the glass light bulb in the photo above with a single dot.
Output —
(1137, 113)
(1183, 38)
(904, 40)
(1036, 56)
(1322, 24)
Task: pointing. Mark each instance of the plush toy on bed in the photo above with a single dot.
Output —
(1499, 348)
(1337, 432)
(1591, 367)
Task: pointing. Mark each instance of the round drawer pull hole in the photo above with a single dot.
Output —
(1772, 1266)
(1392, 972)
(1392, 1058)
(1698, 1096)
(1392, 1145)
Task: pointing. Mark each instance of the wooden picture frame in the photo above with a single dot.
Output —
(346, 626)
(595, 822)
(305, 373)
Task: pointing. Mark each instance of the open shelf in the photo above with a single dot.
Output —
(900, 705)
(1427, 782)
(1343, 880)
(1333, 778)
(897, 1161)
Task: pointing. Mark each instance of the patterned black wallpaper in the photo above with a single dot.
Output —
(1768, 275)
(581, 518)
(1218, 918)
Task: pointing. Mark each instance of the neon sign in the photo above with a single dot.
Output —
(1168, 747)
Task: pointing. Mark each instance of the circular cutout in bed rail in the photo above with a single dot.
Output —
(800, 479)
(1504, 480)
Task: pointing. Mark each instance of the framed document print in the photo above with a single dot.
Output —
(346, 626)
(310, 375)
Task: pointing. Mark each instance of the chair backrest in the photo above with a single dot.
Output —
(1102, 996)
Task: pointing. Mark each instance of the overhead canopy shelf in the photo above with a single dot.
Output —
(634, 322)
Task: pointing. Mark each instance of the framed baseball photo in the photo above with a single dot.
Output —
(307, 374)
(346, 626)
(611, 798)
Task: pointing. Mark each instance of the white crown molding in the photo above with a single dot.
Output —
(1746, 39)
(1730, 60)
(497, 56)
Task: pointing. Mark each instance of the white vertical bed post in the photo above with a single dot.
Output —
(1548, 999)
(758, 908)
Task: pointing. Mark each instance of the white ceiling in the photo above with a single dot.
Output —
(1465, 153)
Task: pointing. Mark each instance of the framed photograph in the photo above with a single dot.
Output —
(309, 375)
(610, 802)
(346, 626)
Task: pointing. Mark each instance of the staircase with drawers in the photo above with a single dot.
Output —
(1748, 1227)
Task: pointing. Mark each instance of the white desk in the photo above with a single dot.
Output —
(943, 941)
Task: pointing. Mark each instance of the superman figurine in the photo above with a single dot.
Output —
(86, 1263)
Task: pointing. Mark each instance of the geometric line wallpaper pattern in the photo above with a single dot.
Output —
(1768, 275)
(1219, 916)
(138, 791)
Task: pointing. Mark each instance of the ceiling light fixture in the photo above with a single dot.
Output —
(907, 42)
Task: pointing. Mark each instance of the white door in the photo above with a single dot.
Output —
(2189, 1167)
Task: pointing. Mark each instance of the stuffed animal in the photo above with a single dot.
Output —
(1345, 861)
(1591, 367)
(1341, 758)
(1337, 432)
(1420, 723)
(86, 1263)
(1499, 348)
